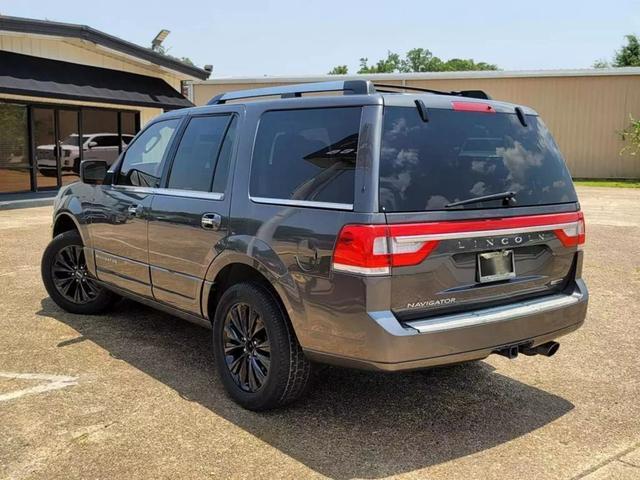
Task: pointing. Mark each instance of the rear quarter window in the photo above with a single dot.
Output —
(460, 155)
(306, 155)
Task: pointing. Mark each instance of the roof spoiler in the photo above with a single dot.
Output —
(460, 93)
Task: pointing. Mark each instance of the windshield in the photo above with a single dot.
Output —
(460, 155)
(73, 140)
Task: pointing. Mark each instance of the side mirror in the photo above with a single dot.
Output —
(93, 172)
(92, 144)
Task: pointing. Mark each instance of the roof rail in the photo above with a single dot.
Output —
(349, 87)
(462, 93)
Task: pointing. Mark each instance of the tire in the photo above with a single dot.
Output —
(76, 166)
(288, 370)
(63, 269)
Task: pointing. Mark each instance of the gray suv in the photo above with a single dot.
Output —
(359, 226)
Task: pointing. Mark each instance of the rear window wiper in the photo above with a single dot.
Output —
(509, 199)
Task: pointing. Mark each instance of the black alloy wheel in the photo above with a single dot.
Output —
(258, 358)
(246, 347)
(68, 280)
(69, 273)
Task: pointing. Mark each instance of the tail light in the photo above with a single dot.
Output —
(374, 249)
(573, 234)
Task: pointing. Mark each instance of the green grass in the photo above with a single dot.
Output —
(621, 183)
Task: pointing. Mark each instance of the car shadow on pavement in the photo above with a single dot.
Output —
(351, 423)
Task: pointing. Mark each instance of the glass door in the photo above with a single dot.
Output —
(15, 171)
(69, 146)
(45, 148)
(56, 148)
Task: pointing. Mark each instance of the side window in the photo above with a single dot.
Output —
(195, 160)
(224, 159)
(142, 164)
(306, 155)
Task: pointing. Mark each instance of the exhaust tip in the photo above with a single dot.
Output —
(548, 349)
(509, 352)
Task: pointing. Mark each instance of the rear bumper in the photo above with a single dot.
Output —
(391, 346)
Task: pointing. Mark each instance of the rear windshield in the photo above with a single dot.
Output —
(461, 155)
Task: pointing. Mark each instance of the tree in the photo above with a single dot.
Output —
(421, 60)
(339, 70)
(467, 64)
(631, 135)
(165, 51)
(629, 54)
(386, 65)
(188, 61)
(417, 60)
(601, 63)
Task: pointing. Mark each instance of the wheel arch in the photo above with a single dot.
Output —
(230, 268)
(64, 222)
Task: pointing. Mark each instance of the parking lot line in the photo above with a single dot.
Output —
(53, 382)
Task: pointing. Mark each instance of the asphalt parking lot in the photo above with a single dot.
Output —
(132, 394)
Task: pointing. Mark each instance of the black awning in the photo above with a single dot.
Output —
(41, 77)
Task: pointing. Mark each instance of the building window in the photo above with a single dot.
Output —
(129, 126)
(101, 129)
(41, 146)
(15, 173)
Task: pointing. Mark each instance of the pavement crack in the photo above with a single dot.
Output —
(607, 461)
(91, 431)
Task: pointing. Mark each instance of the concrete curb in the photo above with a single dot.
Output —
(26, 203)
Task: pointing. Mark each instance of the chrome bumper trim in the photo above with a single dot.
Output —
(496, 314)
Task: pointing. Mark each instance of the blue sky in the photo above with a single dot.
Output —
(285, 37)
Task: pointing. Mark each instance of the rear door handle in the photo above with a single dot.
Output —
(211, 221)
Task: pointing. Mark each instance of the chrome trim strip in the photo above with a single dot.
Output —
(495, 314)
(130, 188)
(171, 292)
(169, 192)
(482, 233)
(302, 203)
(119, 275)
(173, 272)
(172, 192)
(110, 257)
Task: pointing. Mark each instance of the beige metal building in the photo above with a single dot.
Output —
(70, 92)
(584, 109)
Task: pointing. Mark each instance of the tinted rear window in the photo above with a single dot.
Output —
(306, 155)
(459, 155)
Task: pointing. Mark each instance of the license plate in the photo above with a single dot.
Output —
(495, 266)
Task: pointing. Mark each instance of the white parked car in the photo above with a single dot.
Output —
(96, 146)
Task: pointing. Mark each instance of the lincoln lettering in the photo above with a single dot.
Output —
(490, 242)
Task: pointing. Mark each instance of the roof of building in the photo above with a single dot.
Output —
(58, 29)
(43, 77)
(586, 72)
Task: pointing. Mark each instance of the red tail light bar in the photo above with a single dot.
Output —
(374, 249)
